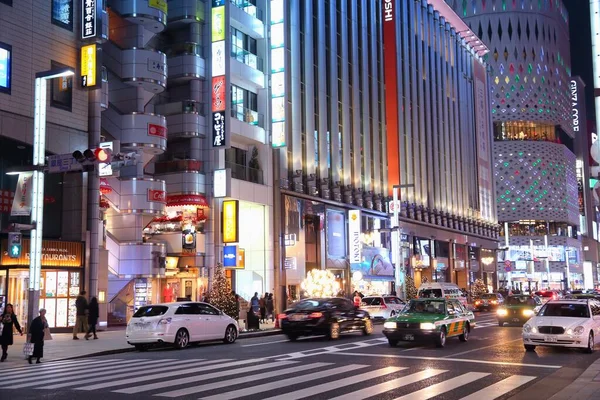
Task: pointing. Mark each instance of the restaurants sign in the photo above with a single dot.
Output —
(89, 19)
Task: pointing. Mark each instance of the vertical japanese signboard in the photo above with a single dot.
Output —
(89, 19)
(89, 66)
(278, 101)
(219, 67)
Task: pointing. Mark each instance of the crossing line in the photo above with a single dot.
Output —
(56, 365)
(500, 388)
(443, 387)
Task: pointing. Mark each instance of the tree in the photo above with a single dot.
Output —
(478, 288)
(220, 294)
(411, 289)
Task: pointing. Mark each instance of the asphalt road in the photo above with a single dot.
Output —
(491, 365)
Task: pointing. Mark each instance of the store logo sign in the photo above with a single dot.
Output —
(157, 130)
(354, 236)
(158, 196)
(218, 129)
(89, 66)
(89, 19)
(575, 104)
(388, 10)
(230, 221)
(230, 256)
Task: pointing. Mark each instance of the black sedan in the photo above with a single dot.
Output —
(324, 316)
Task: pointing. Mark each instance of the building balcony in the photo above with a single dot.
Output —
(247, 68)
(248, 18)
(186, 61)
(138, 195)
(185, 119)
(182, 165)
(140, 12)
(143, 68)
(247, 125)
(185, 11)
(184, 182)
(144, 131)
(245, 173)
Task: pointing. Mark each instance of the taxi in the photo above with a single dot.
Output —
(517, 309)
(430, 320)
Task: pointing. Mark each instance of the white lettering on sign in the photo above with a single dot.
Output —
(575, 103)
(354, 227)
(388, 10)
(157, 195)
(88, 19)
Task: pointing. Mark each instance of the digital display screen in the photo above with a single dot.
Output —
(62, 12)
(4, 68)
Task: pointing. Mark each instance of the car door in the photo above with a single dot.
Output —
(595, 312)
(188, 315)
(344, 311)
(213, 322)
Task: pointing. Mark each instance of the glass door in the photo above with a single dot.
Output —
(3, 288)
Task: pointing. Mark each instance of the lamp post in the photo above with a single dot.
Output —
(37, 202)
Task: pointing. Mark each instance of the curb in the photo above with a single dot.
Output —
(247, 335)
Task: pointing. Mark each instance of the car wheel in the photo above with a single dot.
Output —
(182, 339)
(440, 341)
(368, 328)
(142, 347)
(529, 347)
(392, 342)
(590, 347)
(465, 335)
(334, 331)
(292, 338)
(500, 323)
(230, 334)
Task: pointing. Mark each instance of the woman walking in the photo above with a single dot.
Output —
(270, 307)
(37, 330)
(262, 303)
(93, 315)
(8, 320)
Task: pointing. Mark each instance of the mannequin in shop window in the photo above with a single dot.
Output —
(168, 293)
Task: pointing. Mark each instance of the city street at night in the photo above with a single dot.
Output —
(491, 365)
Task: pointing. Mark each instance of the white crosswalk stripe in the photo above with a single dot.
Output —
(267, 379)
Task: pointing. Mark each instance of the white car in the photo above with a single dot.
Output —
(382, 307)
(179, 324)
(564, 323)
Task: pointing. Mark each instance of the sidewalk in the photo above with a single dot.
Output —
(62, 345)
(586, 387)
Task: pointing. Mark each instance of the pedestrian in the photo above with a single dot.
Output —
(37, 330)
(270, 307)
(357, 299)
(255, 304)
(93, 315)
(81, 306)
(9, 321)
(262, 303)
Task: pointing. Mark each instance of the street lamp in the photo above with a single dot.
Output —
(37, 206)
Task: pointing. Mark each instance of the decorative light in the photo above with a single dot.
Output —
(320, 283)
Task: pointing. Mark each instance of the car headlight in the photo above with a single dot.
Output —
(427, 326)
(502, 312)
(528, 313)
(578, 330)
(389, 325)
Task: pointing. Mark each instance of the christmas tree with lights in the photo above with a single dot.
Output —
(320, 283)
(220, 294)
(411, 289)
(478, 288)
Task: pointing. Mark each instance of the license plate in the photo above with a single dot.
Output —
(141, 326)
(297, 317)
(551, 339)
(409, 337)
(515, 320)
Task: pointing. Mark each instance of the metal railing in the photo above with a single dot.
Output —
(181, 107)
(247, 115)
(248, 58)
(249, 8)
(245, 173)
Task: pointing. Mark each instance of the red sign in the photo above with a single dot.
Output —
(218, 93)
(198, 200)
(157, 130)
(507, 263)
(391, 92)
(159, 196)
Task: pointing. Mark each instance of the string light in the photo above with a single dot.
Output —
(320, 283)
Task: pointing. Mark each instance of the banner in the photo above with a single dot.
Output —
(22, 201)
(354, 236)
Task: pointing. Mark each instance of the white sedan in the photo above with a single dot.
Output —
(179, 324)
(382, 307)
(564, 323)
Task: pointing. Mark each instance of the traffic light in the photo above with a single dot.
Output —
(103, 155)
(86, 156)
(14, 244)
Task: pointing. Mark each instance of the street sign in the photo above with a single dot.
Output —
(14, 244)
(62, 163)
(507, 263)
(507, 268)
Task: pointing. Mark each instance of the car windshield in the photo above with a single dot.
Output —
(430, 293)
(520, 301)
(426, 307)
(150, 311)
(393, 300)
(565, 310)
(372, 301)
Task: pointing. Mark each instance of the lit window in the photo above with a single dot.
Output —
(61, 90)
(62, 13)
(5, 68)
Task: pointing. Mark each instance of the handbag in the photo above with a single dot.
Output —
(47, 334)
(28, 349)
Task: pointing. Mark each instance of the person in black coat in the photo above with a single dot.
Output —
(93, 315)
(8, 319)
(36, 330)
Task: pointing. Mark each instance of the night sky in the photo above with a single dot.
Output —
(581, 48)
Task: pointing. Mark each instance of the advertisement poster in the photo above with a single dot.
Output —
(218, 93)
(336, 238)
(4, 68)
(188, 241)
(22, 201)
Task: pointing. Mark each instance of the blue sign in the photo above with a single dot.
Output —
(4, 68)
(230, 256)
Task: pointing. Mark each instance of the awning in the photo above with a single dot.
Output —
(385, 278)
(198, 200)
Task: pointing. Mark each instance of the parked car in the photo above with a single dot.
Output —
(382, 307)
(430, 320)
(564, 323)
(179, 324)
(518, 308)
(324, 316)
(488, 301)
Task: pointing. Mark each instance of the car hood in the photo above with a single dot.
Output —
(565, 322)
(417, 317)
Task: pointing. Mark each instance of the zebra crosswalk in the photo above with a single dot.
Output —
(261, 378)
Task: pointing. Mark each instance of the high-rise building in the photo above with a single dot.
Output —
(438, 141)
(534, 149)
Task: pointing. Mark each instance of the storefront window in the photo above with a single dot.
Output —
(58, 291)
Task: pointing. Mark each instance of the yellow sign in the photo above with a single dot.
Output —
(230, 221)
(159, 4)
(218, 23)
(88, 66)
(241, 264)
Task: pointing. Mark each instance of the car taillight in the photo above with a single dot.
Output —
(554, 296)
(494, 301)
(477, 302)
(383, 306)
(315, 315)
(164, 321)
(282, 316)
